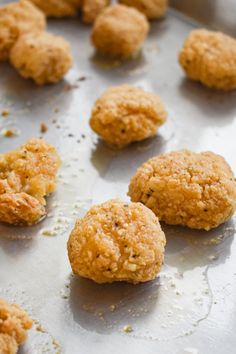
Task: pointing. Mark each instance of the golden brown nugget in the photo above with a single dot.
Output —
(92, 8)
(119, 31)
(42, 57)
(210, 58)
(125, 114)
(16, 19)
(27, 176)
(116, 241)
(14, 323)
(152, 9)
(197, 190)
(58, 8)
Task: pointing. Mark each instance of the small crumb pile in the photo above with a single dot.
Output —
(14, 323)
(27, 176)
(197, 190)
(125, 114)
(152, 9)
(116, 241)
(210, 58)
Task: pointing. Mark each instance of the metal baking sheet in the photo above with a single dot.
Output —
(190, 307)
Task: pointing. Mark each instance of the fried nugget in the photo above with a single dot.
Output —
(125, 114)
(119, 31)
(16, 19)
(197, 190)
(43, 57)
(92, 8)
(14, 323)
(210, 58)
(152, 9)
(27, 176)
(58, 8)
(116, 241)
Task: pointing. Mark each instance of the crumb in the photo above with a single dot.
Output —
(5, 113)
(128, 329)
(43, 128)
(8, 133)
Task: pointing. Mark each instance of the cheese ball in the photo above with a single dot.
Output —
(116, 241)
(43, 57)
(152, 9)
(16, 19)
(58, 8)
(119, 31)
(14, 323)
(125, 114)
(92, 8)
(27, 176)
(197, 190)
(210, 58)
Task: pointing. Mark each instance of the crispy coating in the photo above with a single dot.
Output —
(116, 241)
(152, 9)
(14, 323)
(125, 114)
(58, 8)
(210, 57)
(15, 19)
(197, 190)
(92, 8)
(119, 31)
(27, 176)
(43, 57)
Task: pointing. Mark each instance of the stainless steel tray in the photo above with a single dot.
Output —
(190, 308)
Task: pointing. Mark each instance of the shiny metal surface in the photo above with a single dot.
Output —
(190, 307)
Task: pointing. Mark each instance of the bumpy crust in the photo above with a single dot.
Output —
(27, 175)
(119, 31)
(117, 242)
(210, 57)
(92, 8)
(43, 57)
(125, 114)
(15, 19)
(186, 188)
(58, 8)
(14, 323)
(152, 9)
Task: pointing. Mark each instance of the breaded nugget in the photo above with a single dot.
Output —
(43, 57)
(58, 8)
(210, 57)
(27, 176)
(116, 241)
(119, 31)
(15, 19)
(92, 8)
(197, 190)
(14, 323)
(125, 114)
(152, 9)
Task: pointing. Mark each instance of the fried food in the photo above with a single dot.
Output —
(58, 8)
(16, 19)
(152, 9)
(14, 323)
(116, 241)
(125, 114)
(27, 176)
(119, 31)
(210, 57)
(43, 57)
(92, 8)
(197, 190)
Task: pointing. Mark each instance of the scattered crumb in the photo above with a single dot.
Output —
(5, 113)
(69, 87)
(8, 133)
(43, 128)
(127, 329)
(40, 328)
(112, 308)
(82, 78)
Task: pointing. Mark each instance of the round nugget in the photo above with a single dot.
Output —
(58, 8)
(92, 8)
(197, 190)
(210, 57)
(116, 241)
(43, 57)
(125, 114)
(119, 31)
(152, 9)
(15, 19)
